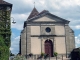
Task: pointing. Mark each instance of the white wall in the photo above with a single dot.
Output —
(60, 45)
(59, 30)
(23, 43)
(35, 45)
(35, 30)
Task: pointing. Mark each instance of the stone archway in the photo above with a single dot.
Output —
(48, 47)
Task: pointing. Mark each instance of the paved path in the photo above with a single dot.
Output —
(50, 59)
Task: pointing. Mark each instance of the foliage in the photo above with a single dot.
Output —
(75, 54)
(46, 56)
(19, 57)
(30, 54)
(55, 53)
(1, 41)
(11, 54)
(5, 33)
(42, 54)
(4, 50)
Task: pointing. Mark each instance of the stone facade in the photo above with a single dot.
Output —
(46, 33)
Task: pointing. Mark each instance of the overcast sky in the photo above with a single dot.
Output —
(67, 9)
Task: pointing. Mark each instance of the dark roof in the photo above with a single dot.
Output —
(4, 2)
(44, 11)
(38, 14)
(33, 13)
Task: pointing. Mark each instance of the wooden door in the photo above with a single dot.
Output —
(49, 48)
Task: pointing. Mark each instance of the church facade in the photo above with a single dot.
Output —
(46, 33)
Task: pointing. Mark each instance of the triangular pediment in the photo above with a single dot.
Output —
(45, 16)
(44, 19)
(49, 18)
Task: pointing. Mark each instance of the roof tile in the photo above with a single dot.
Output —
(33, 13)
(4, 2)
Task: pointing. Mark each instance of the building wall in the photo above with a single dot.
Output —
(43, 30)
(35, 45)
(60, 45)
(59, 30)
(61, 36)
(70, 40)
(23, 42)
(35, 30)
(28, 37)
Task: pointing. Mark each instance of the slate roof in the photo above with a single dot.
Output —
(44, 11)
(33, 13)
(4, 2)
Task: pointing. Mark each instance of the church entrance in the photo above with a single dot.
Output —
(49, 47)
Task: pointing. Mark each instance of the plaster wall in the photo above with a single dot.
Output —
(59, 30)
(35, 45)
(35, 30)
(43, 30)
(23, 43)
(60, 45)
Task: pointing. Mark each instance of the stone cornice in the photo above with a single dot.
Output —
(47, 35)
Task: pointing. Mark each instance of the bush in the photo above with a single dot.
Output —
(46, 56)
(19, 57)
(55, 53)
(42, 54)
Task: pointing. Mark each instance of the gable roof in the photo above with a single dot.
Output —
(4, 2)
(33, 13)
(45, 12)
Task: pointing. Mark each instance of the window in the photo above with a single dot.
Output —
(48, 29)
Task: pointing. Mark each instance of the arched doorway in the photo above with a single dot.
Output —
(49, 47)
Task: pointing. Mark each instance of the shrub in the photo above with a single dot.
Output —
(42, 54)
(19, 57)
(55, 53)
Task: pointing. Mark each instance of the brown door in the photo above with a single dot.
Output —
(49, 47)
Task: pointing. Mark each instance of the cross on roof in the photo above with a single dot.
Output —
(34, 4)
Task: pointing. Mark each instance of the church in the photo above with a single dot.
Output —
(47, 33)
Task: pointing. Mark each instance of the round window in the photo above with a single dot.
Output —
(48, 29)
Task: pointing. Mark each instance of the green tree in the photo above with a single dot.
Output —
(4, 50)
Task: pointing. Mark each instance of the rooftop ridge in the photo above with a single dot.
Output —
(33, 13)
(4, 2)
